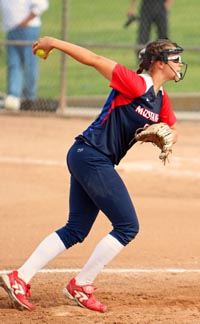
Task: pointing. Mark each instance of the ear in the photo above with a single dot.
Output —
(160, 64)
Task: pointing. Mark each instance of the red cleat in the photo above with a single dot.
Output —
(17, 290)
(83, 295)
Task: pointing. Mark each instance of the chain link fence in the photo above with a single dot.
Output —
(103, 27)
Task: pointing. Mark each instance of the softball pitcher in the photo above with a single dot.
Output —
(137, 99)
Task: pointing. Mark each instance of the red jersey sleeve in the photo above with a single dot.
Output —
(166, 114)
(127, 82)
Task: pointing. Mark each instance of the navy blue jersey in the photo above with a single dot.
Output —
(131, 104)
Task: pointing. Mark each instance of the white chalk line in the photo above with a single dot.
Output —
(25, 160)
(119, 271)
(173, 169)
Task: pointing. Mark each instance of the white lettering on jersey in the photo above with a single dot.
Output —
(147, 114)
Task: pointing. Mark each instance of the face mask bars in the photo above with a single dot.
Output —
(180, 75)
(177, 59)
(164, 57)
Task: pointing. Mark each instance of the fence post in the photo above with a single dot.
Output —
(63, 61)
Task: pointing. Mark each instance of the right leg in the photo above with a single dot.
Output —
(15, 69)
(144, 29)
(83, 212)
(14, 75)
(30, 64)
(162, 24)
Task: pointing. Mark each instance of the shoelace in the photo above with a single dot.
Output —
(28, 292)
(89, 289)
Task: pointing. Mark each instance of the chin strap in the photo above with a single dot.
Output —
(180, 75)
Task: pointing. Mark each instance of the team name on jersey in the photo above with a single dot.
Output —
(147, 114)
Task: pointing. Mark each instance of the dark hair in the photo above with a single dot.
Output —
(154, 51)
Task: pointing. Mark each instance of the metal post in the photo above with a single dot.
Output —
(63, 61)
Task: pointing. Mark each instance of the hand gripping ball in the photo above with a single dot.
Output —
(40, 53)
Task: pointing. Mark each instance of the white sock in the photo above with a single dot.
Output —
(104, 252)
(48, 249)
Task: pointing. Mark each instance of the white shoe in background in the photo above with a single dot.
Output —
(12, 103)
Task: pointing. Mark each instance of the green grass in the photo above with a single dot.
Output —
(101, 22)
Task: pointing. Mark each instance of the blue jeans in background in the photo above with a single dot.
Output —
(22, 72)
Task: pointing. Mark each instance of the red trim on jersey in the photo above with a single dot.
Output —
(132, 85)
(128, 82)
(166, 114)
(119, 100)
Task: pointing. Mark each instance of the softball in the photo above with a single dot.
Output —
(40, 53)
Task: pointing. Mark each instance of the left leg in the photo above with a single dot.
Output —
(162, 24)
(144, 28)
(30, 62)
(97, 176)
(116, 204)
(119, 209)
(106, 189)
(14, 66)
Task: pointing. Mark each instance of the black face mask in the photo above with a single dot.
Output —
(164, 57)
(177, 59)
(176, 51)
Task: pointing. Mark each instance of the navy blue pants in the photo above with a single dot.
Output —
(95, 185)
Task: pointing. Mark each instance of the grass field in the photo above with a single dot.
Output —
(101, 23)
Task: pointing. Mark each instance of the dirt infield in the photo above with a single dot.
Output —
(162, 284)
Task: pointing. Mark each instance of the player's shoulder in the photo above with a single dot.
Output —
(148, 79)
(165, 95)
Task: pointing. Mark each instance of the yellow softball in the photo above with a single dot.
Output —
(40, 52)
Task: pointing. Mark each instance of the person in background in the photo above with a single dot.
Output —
(21, 22)
(151, 12)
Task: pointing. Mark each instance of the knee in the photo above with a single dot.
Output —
(70, 237)
(126, 232)
(130, 232)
